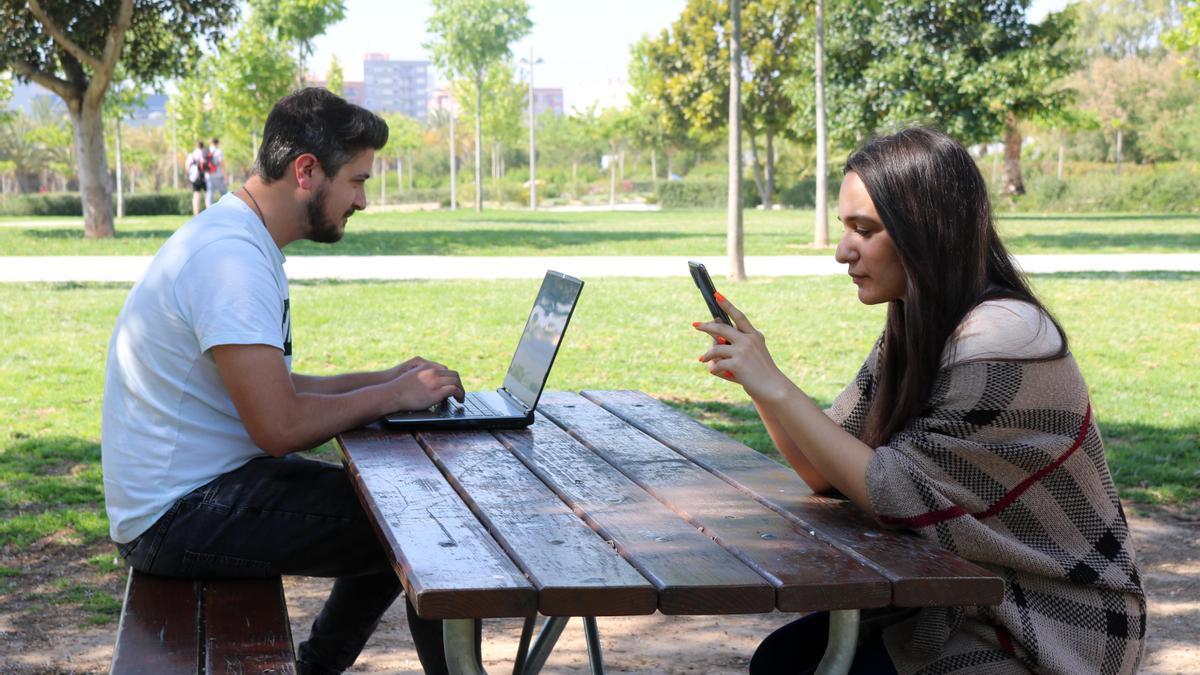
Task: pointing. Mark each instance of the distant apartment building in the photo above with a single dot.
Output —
(396, 86)
(547, 99)
(354, 92)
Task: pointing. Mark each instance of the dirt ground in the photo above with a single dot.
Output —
(39, 639)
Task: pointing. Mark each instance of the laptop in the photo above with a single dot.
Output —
(512, 405)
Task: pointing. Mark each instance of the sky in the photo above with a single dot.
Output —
(584, 44)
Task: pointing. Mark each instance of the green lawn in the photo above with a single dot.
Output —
(1136, 338)
(680, 232)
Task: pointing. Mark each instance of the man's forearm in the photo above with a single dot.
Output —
(339, 384)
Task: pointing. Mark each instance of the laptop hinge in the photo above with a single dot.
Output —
(513, 399)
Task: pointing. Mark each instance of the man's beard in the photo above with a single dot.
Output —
(321, 228)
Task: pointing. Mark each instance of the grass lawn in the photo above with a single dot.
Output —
(1136, 338)
(677, 232)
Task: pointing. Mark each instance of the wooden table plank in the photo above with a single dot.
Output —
(575, 571)
(693, 574)
(450, 566)
(922, 574)
(246, 627)
(160, 627)
(807, 573)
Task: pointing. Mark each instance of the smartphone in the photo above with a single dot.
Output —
(705, 284)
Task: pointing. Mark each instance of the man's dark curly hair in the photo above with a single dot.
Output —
(315, 121)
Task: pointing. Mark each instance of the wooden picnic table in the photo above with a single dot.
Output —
(615, 504)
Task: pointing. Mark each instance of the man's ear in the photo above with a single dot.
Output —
(306, 167)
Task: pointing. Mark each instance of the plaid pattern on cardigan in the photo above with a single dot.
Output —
(1006, 468)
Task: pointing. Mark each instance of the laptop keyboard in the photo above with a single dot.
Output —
(473, 407)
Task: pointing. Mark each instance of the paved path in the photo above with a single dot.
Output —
(129, 268)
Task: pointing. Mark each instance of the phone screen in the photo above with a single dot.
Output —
(708, 291)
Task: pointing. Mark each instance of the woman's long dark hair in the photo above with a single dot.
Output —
(934, 204)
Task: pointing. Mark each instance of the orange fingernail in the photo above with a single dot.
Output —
(719, 297)
(701, 359)
(729, 374)
(695, 324)
(722, 341)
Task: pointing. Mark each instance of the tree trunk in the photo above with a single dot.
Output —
(399, 176)
(612, 175)
(88, 129)
(733, 238)
(821, 219)
(575, 177)
(478, 142)
(1061, 151)
(769, 201)
(1013, 183)
(120, 173)
(758, 177)
(653, 166)
(453, 168)
(410, 173)
(382, 181)
(1119, 138)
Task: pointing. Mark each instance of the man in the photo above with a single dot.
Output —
(201, 409)
(215, 182)
(197, 165)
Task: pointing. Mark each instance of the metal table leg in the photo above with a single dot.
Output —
(843, 639)
(551, 629)
(462, 653)
(595, 658)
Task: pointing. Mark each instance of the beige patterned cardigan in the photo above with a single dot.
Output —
(1006, 468)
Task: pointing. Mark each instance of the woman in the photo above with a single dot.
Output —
(969, 423)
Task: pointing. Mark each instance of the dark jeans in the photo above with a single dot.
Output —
(288, 516)
(797, 649)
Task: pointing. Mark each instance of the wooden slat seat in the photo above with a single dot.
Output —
(193, 626)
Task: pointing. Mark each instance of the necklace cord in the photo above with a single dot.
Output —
(257, 208)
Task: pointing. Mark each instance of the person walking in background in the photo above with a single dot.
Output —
(197, 165)
(215, 180)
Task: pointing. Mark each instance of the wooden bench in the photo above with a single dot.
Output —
(203, 626)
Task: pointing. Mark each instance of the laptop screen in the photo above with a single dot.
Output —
(543, 331)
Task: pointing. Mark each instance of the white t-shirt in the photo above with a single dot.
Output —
(1003, 329)
(169, 425)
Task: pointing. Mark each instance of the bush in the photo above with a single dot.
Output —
(158, 204)
(1171, 192)
(43, 204)
(701, 194)
(68, 204)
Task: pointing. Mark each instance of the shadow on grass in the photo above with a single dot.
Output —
(1098, 217)
(477, 242)
(1122, 276)
(1089, 241)
(61, 233)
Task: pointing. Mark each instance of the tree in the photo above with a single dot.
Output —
(252, 72)
(974, 69)
(405, 136)
(299, 22)
(335, 78)
(1185, 38)
(686, 69)
(73, 49)
(733, 237)
(471, 36)
(502, 108)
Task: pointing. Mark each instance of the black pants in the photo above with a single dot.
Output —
(288, 516)
(797, 648)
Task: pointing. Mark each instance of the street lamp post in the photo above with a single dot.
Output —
(531, 62)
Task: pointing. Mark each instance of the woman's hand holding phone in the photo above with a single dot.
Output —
(739, 353)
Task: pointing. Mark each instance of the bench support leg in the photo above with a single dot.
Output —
(592, 632)
(462, 655)
(843, 639)
(551, 629)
